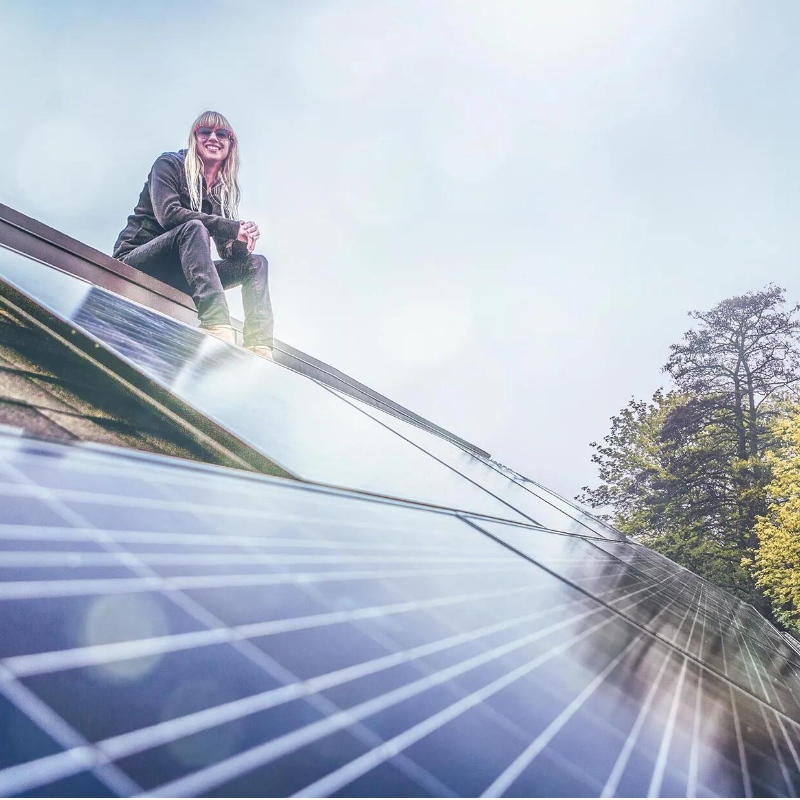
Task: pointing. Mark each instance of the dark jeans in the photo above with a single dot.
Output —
(182, 258)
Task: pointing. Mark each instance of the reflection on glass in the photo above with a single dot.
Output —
(569, 507)
(305, 429)
(551, 512)
(450, 666)
(676, 605)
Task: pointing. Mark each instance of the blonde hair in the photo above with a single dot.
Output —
(226, 189)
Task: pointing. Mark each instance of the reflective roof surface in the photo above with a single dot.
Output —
(401, 619)
(307, 430)
(182, 630)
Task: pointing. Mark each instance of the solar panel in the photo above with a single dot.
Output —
(176, 629)
(673, 604)
(540, 506)
(569, 506)
(310, 432)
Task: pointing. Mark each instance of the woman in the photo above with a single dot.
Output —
(191, 197)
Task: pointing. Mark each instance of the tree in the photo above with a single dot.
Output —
(776, 564)
(686, 474)
(742, 355)
(629, 464)
(700, 518)
(665, 474)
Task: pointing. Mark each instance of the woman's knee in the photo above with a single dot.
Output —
(194, 228)
(258, 263)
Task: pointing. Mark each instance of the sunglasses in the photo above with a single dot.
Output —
(223, 134)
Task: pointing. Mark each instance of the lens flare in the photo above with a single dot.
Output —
(123, 618)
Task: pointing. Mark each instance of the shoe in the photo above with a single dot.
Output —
(261, 350)
(224, 332)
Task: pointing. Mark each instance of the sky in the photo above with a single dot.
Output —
(496, 212)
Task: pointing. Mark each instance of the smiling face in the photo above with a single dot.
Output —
(212, 148)
(212, 161)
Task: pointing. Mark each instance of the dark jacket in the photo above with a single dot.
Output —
(164, 204)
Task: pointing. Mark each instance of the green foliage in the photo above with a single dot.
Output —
(629, 463)
(686, 474)
(666, 472)
(776, 562)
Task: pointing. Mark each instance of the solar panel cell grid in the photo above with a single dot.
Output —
(83, 784)
(12, 544)
(33, 624)
(674, 608)
(731, 613)
(320, 643)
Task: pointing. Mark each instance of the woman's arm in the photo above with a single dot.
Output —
(243, 245)
(165, 184)
(231, 249)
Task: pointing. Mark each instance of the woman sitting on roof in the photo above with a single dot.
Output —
(191, 197)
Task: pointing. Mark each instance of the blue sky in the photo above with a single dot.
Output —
(496, 212)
